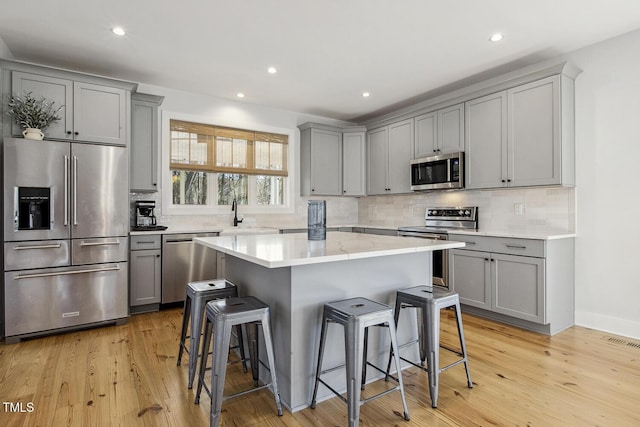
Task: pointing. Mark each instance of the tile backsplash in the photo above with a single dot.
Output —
(542, 210)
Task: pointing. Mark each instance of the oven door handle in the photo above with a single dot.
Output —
(421, 235)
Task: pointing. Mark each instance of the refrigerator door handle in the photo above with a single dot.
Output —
(66, 273)
(117, 242)
(22, 248)
(66, 190)
(75, 190)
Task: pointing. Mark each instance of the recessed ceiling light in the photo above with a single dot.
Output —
(240, 95)
(119, 31)
(272, 70)
(496, 37)
(366, 94)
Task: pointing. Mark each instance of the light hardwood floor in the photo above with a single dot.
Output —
(127, 376)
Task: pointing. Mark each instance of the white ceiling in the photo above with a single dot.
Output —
(327, 52)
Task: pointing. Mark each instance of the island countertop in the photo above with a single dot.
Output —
(286, 250)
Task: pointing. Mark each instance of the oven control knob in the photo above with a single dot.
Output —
(461, 212)
(468, 213)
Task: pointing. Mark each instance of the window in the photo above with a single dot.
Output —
(213, 165)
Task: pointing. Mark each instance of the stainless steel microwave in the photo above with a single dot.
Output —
(441, 172)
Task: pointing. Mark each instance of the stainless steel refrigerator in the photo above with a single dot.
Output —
(66, 222)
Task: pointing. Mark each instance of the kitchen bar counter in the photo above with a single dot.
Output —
(296, 277)
(286, 250)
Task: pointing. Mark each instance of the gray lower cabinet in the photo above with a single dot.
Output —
(145, 270)
(144, 142)
(522, 281)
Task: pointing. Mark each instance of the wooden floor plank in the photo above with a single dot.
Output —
(127, 376)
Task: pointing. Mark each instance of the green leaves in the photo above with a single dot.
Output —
(30, 112)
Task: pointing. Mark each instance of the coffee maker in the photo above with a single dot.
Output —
(145, 217)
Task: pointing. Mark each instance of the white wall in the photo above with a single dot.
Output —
(5, 53)
(340, 210)
(608, 183)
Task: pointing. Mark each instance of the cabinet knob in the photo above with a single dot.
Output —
(434, 150)
(486, 259)
(68, 132)
(154, 184)
(76, 133)
(508, 180)
(504, 180)
(313, 189)
(158, 256)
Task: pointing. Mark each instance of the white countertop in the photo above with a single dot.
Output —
(538, 235)
(224, 231)
(285, 250)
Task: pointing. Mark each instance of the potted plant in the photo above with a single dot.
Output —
(33, 115)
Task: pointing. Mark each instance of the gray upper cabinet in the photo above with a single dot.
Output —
(144, 142)
(320, 161)
(522, 136)
(60, 91)
(485, 141)
(353, 163)
(332, 160)
(389, 151)
(439, 132)
(92, 112)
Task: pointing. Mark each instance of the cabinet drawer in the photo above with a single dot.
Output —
(502, 245)
(152, 241)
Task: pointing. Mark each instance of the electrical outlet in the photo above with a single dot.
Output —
(518, 209)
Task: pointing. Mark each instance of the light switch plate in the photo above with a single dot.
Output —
(518, 209)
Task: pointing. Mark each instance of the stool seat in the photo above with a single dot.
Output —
(221, 317)
(356, 315)
(197, 295)
(430, 300)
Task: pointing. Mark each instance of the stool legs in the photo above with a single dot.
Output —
(183, 334)
(323, 336)
(196, 327)
(432, 335)
(353, 341)
(463, 346)
(268, 341)
(221, 338)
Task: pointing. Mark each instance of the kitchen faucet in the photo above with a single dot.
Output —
(234, 208)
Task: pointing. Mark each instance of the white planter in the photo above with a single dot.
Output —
(31, 133)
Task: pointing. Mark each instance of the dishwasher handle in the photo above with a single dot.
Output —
(178, 240)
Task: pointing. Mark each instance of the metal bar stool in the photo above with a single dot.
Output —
(431, 300)
(356, 315)
(198, 294)
(222, 315)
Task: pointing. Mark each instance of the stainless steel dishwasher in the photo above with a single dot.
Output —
(185, 261)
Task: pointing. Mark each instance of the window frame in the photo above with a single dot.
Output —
(168, 208)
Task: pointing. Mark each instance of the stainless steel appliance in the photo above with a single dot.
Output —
(441, 172)
(185, 261)
(438, 223)
(145, 216)
(66, 223)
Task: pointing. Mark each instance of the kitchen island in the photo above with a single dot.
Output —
(296, 276)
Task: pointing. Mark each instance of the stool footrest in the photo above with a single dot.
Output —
(382, 393)
(344, 399)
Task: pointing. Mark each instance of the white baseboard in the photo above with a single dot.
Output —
(614, 325)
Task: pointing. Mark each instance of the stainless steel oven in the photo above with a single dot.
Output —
(438, 222)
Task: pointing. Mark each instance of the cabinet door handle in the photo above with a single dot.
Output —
(470, 243)
(145, 242)
(516, 246)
